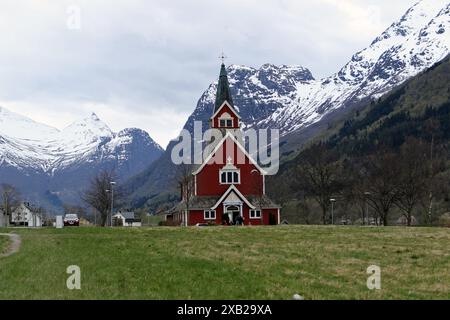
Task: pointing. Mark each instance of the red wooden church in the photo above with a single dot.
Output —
(229, 186)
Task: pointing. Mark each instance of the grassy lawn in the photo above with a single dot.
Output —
(229, 263)
(3, 243)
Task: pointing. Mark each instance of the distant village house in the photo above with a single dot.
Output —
(26, 215)
(126, 219)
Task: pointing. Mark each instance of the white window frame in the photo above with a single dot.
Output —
(226, 117)
(209, 212)
(253, 215)
(227, 182)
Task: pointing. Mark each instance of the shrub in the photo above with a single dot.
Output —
(168, 224)
(444, 220)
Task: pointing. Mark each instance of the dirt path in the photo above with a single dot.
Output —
(14, 245)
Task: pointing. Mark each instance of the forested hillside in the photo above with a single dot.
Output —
(389, 159)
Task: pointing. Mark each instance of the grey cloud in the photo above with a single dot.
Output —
(143, 55)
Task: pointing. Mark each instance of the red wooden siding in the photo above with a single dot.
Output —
(208, 183)
(226, 108)
(197, 216)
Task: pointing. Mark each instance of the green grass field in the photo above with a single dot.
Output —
(3, 243)
(228, 263)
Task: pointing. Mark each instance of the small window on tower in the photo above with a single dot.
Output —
(223, 123)
(235, 177)
(223, 177)
(230, 123)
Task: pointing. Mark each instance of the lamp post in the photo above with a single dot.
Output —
(112, 200)
(332, 209)
(7, 215)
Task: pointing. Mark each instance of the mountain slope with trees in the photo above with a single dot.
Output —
(390, 158)
(290, 99)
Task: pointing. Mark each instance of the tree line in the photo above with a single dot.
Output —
(409, 180)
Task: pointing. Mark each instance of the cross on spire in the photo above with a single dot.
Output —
(223, 57)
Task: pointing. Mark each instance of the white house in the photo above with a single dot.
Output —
(26, 215)
(126, 219)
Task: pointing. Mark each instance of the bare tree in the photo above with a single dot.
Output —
(354, 191)
(413, 176)
(186, 185)
(318, 176)
(280, 191)
(380, 174)
(10, 198)
(98, 194)
(355, 195)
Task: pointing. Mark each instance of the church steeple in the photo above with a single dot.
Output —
(223, 90)
(225, 116)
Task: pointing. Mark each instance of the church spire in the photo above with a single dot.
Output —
(223, 89)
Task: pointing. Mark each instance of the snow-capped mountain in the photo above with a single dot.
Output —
(289, 98)
(26, 143)
(38, 158)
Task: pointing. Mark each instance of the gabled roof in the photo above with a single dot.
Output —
(225, 103)
(208, 202)
(126, 214)
(229, 135)
(196, 203)
(264, 201)
(232, 188)
(223, 89)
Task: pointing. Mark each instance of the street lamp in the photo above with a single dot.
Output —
(107, 218)
(112, 200)
(332, 209)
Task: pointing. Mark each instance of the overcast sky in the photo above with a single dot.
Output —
(144, 64)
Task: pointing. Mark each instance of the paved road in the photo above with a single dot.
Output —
(14, 245)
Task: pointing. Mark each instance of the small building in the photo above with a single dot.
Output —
(126, 219)
(26, 215)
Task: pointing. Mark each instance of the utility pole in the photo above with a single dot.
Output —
(112, 201)
(7, 209)
(332, 210)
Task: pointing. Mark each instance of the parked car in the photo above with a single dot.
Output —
(71, 220)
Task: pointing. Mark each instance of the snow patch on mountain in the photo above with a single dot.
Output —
(25, 143)
(20, 127)
(289, 98)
